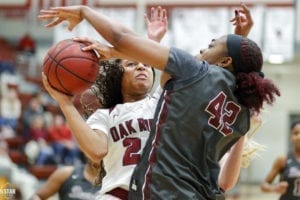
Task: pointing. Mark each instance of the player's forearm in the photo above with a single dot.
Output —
(110, 30)
(127, 42)
(230, 168)
(91, 143)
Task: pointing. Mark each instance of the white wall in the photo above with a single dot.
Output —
(13, 29)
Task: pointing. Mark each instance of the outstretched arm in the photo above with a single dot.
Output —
(242, 21)
(157, 23)
(232, 161)
(280, 187)
(92, 142)
(157, 26)
(124, 40)
(53, 183)
(239, 155)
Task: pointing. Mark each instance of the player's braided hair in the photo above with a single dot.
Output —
(252, 89)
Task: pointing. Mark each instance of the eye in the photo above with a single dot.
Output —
(131, 64)
(145, 65)
(210, 46)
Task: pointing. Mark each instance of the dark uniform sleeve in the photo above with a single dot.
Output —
(183, 66)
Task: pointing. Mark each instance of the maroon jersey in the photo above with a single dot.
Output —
(197, 120)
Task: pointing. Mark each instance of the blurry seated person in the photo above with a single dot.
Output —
(62, 141)
(72, 182)
(18, 179)
(39, 136)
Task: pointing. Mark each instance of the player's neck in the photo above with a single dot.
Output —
(133, 98)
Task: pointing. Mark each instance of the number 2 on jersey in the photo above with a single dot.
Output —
(223, 113)
(131, 155)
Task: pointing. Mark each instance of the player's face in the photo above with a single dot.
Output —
(137, 78)
(295, 137)
(215, 51)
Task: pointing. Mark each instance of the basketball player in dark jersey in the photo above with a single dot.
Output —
(204, 109)
(288, 168)
(71, 182)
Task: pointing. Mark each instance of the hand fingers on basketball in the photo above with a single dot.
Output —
(45, 81)
(97, 48)
(87, 40)
(52, 91)
(47, 84)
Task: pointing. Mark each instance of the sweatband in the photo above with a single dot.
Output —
(234, 51)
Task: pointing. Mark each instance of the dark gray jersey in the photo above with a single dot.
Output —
(291, 174)
(197, 120)
(76, 187)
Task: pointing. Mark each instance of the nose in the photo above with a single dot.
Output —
(140, 66)
(202, 51)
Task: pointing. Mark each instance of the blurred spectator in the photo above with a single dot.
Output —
(7, 67)
(72, 182)
(22, 181)
(11, 108)
(39, 134)
(27, 44)
(7, 51)
(33, 108)
(62, 142)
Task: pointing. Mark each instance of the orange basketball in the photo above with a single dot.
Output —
(69, 69)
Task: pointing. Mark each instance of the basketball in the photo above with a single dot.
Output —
(69, 69)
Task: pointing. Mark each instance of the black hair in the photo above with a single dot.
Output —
(107, 87)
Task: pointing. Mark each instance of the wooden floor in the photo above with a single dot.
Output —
(251, 192)
(246, 192)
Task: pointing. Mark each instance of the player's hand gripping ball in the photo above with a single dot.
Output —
(69, 69)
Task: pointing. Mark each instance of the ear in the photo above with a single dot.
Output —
(225, 62)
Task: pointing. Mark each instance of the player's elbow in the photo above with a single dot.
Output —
(226, 186)
(97, 156)
(123, 40)
(227, 182)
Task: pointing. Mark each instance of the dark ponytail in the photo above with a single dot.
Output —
(252, 89)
